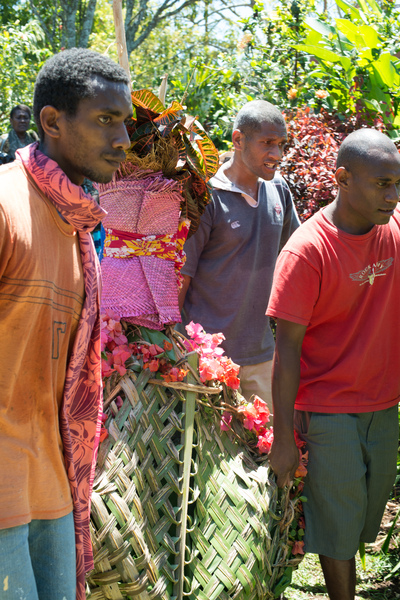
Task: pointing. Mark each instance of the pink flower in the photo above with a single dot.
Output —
(106, 369)
(120, 356)
(321, 94)
(265, 441)
(225, 421)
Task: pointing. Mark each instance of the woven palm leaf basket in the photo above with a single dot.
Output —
(180, 508)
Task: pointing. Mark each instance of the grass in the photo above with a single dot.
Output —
(375, 583)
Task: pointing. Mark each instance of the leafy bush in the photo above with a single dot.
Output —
(309, 163)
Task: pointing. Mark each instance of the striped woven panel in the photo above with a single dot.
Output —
(181, 510)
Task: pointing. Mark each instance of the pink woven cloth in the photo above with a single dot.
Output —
(141, 289)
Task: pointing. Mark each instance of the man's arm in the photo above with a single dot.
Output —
(182, 292)
(284, 454)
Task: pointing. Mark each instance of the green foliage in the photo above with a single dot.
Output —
(263, 64)
(355, 64)
(21, 55)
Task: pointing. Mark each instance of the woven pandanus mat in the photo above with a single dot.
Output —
(180, 509)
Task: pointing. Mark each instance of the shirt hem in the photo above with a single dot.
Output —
(36, 515)
(346, 409)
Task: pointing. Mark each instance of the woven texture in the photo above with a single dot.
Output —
(141, 289)
(181, 510)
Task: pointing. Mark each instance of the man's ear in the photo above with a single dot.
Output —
(343, 177)
(237, 139)
(49, 119)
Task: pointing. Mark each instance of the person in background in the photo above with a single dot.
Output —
(50, 374)
(336, 368)
(231, 258)
(18, 136)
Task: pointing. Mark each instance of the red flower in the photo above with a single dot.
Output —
(103, 434)
(153, 365)
(298, 548)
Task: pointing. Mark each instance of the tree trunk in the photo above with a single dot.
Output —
(68, 18)
(87, 23)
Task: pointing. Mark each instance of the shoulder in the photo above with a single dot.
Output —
(310, 236)
(13, 182)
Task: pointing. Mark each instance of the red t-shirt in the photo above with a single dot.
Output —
(346, 289)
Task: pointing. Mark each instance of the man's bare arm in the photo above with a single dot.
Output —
(183, 290)
(284, 454)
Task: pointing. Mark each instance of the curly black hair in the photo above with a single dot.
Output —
(68, 77)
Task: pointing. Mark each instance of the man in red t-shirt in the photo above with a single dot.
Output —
(335, 296)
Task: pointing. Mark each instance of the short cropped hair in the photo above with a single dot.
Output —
(69, 77)
(255, 112)
(20, 107)
(361, 145)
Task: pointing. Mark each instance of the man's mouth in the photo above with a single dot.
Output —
(271, 165)
(116, 160)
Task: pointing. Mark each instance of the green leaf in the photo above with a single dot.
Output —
(361, 550)
(207, 150)
(147, 100)
(373, 104)
(361, 36)
(386, 543)
(350, 10)
(324, 54)
(319, 26)
(387, 72)
(157, 337)
(375, 8)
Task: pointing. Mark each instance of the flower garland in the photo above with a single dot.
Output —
(119, 355)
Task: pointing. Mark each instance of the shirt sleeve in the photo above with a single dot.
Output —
(295, 289)
(194, 245)
(291, 219)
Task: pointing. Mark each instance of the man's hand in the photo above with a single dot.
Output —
(284, 460)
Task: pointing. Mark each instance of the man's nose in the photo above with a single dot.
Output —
(392, 193)
(276, 152)
(121, 139)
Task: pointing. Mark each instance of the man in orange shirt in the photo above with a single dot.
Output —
(50, 377)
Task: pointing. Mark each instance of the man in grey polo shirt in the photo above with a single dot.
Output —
(231, 258)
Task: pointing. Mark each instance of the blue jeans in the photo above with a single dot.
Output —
(37, 560)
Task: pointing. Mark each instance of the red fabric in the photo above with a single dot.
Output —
(80, 417)
(346, 289)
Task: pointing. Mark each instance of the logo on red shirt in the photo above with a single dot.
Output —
(369, 274)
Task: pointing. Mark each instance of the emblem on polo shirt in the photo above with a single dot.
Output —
(235, 224)
(278, 209)
(369, 274)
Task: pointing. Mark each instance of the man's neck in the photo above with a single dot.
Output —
(242, 179)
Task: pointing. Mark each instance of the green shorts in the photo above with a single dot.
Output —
(351, 470)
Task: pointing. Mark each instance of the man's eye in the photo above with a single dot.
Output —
(105, 120)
